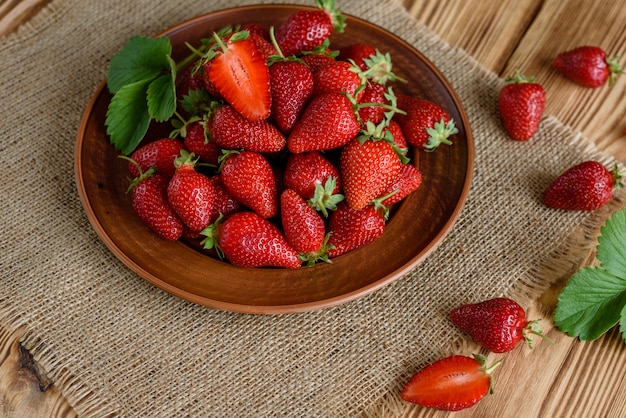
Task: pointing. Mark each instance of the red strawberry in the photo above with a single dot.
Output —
(198, 141)
(239, 72)
(306, 30)
(368, 168)
(191, 193)
(350, 229)
(373, 93)
(407, 181)
(450, 384)
(426, 125)
(304, 228)
(357, 53)
(265, 47)
(521, 103)
(223, 204)
(497, 324)
(190, 78)
(304, 171)
(149, 202)
(398, 137)
(587, 66)
(292, 85)
(230, 130)
(159, 154)
(247, 240)
(249, 178)
(585, 186)
(338, 77)
(317, 60)
(328, 122)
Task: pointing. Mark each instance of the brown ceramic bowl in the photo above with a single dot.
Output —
(417, 227)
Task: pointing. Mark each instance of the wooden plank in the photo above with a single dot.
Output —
(14, 13)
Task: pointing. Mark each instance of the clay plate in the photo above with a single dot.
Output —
(417, 227)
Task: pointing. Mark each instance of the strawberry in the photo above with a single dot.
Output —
(329, 121)
(407, 181)
(230, 130)
(191, 193)
(587, 66)
(303, 227)
(521, 103)
(497, 324)
(291, 86)
(338, 77)
(265, 47)
(450, 384)
(248, 177)
(368, 168)
(159, 154)
(306, 30)
(247, 240)
(399, 140)
(317, 60)
(425, 125)
(190, 78)
(198, 141)
(223, 204)
(239, 72)
(585, 186)
(357, 53)
(372, 93)
(150, 204)
(350, 229)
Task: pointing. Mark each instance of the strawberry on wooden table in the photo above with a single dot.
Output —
(306, 30)
(586, 186)
(249, 178)
(588, 66)
(426, 125)
(150, 204)
(450, 384)
(239, 72)
(497, 324)
(191, 193)
(521, 103)
(247, 240)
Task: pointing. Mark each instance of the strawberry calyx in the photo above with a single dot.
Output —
(440, 134)
(614, 68)
(380, 207)
(380, 68)
(617, 177)
(481, 359)
(533, 328)
(518, 78)
(142, 175)
(185, 160)
(324, 199)
(338, 20)
(211, 234)
(320, 255)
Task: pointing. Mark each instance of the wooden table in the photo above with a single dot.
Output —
(568, 379)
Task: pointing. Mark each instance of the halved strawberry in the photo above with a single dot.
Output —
(450, 384)
(240, 73)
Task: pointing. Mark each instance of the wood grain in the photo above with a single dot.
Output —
(567, 379)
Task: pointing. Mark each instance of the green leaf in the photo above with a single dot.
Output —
(127, 117)
(161, 98)
(141, 59)
(591, 303)
(611, 244)
(622, 323)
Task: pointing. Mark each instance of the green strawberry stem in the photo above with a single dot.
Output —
(380, 69)
(482, 361)
(142, 175)
(211, 233)
(617, 177)
(534, 329)
(378, 204)
(323, 198)
(320, 255)
(518, 77)
(440, 134)
(614, 69)
(337, 18)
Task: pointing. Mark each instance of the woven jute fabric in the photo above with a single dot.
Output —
(114, 345)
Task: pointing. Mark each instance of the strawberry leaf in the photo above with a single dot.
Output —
(127, 117)
(140, 59)
(594, 299)
(161, 96)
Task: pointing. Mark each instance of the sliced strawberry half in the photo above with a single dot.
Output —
(240, 73)
(450, 384)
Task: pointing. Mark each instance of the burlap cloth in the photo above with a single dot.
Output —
(115, 345)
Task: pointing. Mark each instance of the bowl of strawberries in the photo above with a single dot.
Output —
(273, 158)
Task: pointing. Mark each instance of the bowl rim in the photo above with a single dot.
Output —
(295, 307)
